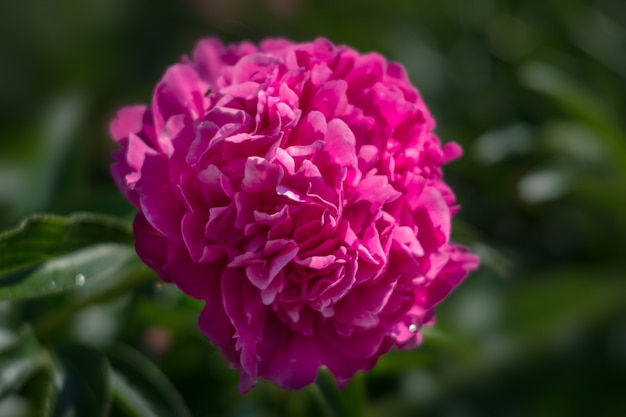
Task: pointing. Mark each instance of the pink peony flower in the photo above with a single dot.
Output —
(297, 189)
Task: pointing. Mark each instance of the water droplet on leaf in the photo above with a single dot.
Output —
(79, 279)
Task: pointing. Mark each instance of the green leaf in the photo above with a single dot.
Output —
(548, 311)
(351, 401)
(130, 399)
(353, 398)
(86, 388)
(122, 275)
(49, 254)
(66, 272)
(556, 300)
(42, 393)
(141, 388)
(41, 237)
(581, 104)
(20, 356)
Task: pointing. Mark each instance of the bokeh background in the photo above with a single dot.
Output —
(535, 92)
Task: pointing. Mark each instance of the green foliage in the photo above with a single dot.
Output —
(20, 357)
(87, 255)
(141, 386)
(85, 387)
(49, 254)
(534, 91)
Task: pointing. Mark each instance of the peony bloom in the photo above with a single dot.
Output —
(297, 189)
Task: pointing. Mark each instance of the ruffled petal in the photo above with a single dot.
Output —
(297, 189)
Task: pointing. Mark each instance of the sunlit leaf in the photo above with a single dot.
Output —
(41, 237)
(48, 254)
(109, 277)
(66, 272)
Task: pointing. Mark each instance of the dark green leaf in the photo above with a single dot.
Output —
(20, 356)
(141, 388)
(350, 401)
(130, 399)
(42, 393)
(86, 388)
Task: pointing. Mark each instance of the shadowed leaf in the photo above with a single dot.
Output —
(20, 356)
(86, 388)
(141, 388)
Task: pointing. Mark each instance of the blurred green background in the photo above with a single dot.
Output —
(535, 92)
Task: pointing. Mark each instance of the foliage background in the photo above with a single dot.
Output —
(534, 91)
